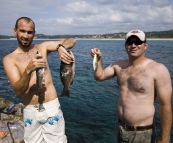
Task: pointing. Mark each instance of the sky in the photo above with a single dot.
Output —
(61, 17)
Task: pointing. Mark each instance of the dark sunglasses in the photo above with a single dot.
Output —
(138, 42)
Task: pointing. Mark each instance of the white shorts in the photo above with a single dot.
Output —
(47, 126)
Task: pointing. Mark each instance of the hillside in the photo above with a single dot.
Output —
(152, 34)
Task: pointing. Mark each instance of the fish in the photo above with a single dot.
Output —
(39, 81)
(95, 61)
(40, 76)
(67, 72)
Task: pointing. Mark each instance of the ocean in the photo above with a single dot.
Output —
(91, 111)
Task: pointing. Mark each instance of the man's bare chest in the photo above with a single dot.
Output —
(23, 59)
(138, 80)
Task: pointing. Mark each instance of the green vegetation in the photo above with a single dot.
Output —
(121, 35)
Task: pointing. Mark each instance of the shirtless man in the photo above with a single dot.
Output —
(140, 80)
(20, 67)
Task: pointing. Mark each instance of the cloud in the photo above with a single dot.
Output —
(88, 16)
(81, 8)
(159, 3)
(107, 2)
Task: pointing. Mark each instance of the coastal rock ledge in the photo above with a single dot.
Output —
(11, 122)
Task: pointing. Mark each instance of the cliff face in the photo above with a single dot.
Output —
(11, 121)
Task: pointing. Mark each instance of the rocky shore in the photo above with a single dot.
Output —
(11, 121)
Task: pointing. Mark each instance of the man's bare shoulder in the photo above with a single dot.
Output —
(157, 68)
(156, 65)
(9, 62)
(8, 57)
(120, 63)
(39, 46)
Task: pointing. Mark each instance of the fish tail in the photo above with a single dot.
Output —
(65, 92)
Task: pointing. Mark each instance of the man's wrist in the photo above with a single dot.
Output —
(60, 45)
(27, 72)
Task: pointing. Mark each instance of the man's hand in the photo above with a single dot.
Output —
(96, 51)
(36, 62)
(64, 56)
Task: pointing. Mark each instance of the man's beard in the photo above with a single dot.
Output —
(23, 45)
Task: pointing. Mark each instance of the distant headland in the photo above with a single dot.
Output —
(120, 35)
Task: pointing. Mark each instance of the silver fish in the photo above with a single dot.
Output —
(67, 72)
(95, 61)
(40, 76)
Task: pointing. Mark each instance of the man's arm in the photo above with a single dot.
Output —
(102, 74)
(164, 92)
(64, 56)
(20, 82)
(68, 43)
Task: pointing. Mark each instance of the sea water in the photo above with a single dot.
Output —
(91, 111)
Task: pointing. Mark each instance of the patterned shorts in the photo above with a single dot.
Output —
(46, 126)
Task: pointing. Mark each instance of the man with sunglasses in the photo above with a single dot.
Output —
(140, 81)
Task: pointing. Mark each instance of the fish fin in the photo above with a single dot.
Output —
(65, 92)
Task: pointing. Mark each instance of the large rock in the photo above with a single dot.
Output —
(11, 122)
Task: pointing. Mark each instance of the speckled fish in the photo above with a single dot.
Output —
(40, 76)
(67, 72)
(39, 80)
(95, 61)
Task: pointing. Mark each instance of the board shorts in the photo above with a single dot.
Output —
(138, 135)
(44, 127)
